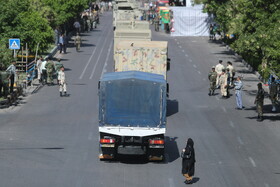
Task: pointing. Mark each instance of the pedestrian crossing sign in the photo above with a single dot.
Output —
(14, 43)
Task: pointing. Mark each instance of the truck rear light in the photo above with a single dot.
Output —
(158, 142)
(107, 141)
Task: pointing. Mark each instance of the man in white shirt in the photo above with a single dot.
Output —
(43, 71)
(219, 68)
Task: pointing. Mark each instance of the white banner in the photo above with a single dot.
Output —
(190, 21)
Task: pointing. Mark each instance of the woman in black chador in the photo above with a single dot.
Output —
(188, 160)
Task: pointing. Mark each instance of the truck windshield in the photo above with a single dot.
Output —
(132, 102)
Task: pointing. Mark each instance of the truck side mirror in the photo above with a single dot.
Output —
(168, 64)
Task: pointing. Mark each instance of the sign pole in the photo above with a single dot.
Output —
(15, 53)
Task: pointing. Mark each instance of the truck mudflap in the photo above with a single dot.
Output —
(105, 156)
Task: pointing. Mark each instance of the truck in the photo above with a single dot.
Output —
(132, 115)
(146, 56)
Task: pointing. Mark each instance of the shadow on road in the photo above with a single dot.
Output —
(171, 149)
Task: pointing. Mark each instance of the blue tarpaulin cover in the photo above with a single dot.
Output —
(132, 98)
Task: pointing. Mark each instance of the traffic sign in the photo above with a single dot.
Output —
(14, 43)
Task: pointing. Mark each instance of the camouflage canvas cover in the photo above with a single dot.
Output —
(145, 56)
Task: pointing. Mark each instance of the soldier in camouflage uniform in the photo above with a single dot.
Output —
(259, 101)
(50, 71)
(212, 76)
(273, 88)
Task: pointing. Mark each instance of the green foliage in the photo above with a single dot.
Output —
(6, 55)
(33, 21)
(256, 26)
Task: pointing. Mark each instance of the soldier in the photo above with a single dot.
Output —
(62, 82)
(50, 71)
(273, 88)
(78, 42)
(228, 81)
(231, 71)
(259, 102)
(4, 83)
(212, 76)
(219, 67)
(223, 84)
(156, 22)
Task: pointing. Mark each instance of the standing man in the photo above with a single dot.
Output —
(231, 72)
(12, 71)
(38, 66)
(50, 71)
(62, 82)
(223, 84)
(78, 42)
(259, 102)
(238, 85)
(273, 89)
(43, 72)
(156, 22)
(212, 76)
(219, 67)
(188, 161)
(62, 43)
(77, 26)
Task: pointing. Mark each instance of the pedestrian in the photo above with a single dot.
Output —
(58, 65)
(228, 81)
(273, 89)
(223, 84)
(38, 66)
(12, 71)
(259, 102)
(78, 42)
(62, 43)
(77, 26)
(238, 85)
(188, 161)
(212, 76)
(231, 71)
(156, 22)
(62, 82)
(219, 67)
(43, 71)
(211, 36)
(50, 71)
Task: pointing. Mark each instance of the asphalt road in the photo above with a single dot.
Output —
(52, 141)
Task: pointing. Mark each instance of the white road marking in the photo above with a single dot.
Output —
(240, 141)
(252, 162)
(186, 55)
(178, 43)
(204, 79)
(199, 72)
(183, 50)
(224, 109)
(231, 124)
(194, 66)
(190, 60)
(180, 46)
(171, 182)
(95, 65)
(193, 41)
(107, 57)
(175, 39)
(89, 60)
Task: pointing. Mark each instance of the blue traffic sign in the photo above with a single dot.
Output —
(14, 43)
